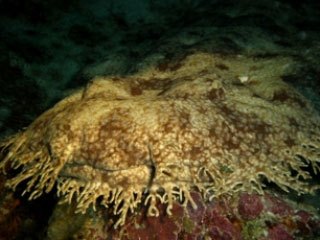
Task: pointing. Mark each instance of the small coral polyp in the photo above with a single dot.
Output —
(142, 140)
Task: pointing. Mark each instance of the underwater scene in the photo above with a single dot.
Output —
(159, 120)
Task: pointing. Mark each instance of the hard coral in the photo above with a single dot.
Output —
(250, 206)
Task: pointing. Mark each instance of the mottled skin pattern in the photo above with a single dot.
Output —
(141, 140)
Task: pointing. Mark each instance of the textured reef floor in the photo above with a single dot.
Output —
(244, 216)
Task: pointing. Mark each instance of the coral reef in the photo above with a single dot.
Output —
(217, 125)
(224, 218)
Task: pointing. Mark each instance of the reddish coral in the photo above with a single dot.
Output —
(279, 232)
(307, 223)
(208, 220)
(250, 206)
(303, 220)
(154, 228)
(304, 216)
(193, 219)
(196, 214)
(277, 206)
(225, 218)
(221, 228)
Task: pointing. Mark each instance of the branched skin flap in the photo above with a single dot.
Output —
(141, 140)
